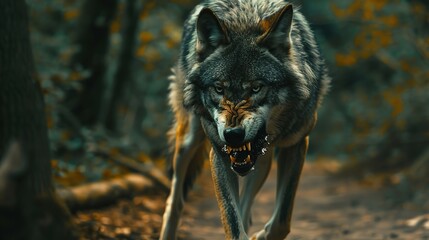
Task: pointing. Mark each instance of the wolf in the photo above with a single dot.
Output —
(249, 79)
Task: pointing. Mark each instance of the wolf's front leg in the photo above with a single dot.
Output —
(290, 163)
(226, 189)
(187, 146)
(252, 184)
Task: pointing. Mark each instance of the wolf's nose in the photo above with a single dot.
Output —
(234, 137)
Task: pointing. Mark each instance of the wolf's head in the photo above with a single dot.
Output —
(240, 78)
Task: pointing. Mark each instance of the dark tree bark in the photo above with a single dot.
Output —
(27, 216)
(92, 40)
(123, 76)
(29, 208)
(21, 106)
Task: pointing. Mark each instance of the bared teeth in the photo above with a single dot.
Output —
(247, 161)
(245, 147)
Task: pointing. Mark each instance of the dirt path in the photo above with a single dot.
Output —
(325, 209)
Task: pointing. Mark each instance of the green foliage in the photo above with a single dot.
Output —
(142, 116)
(375, 114)
(379, 59)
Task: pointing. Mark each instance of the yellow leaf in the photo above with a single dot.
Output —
(142, 157)
(345, 60)
(72, 178)
(149, 67)
(114, 152)
(393, 98)
(149, 5)
(54, 163)
(50, 122)
(115, 26)
(71, 14)
(171, 44)
(75, 76)
(65, 135)
(146, 37)
(391, 21)
(141, 51)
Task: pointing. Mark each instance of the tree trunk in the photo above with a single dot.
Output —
(123, 76)
(29, 209)
(21, 105)
(92, 39)
(27, 216)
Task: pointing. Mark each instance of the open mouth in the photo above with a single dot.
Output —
(243, 158)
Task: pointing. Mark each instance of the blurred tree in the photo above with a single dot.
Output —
(33, 211)
(111, 68)
(123, 75)
(21, 106)
(92, 39)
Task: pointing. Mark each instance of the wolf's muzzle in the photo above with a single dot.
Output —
(234, 137)
(243, 155)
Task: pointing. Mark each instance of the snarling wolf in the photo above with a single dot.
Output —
(249, 79)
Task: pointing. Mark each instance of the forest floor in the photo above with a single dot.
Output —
(325, 208)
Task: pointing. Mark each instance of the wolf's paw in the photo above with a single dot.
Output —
(421, 221)
(261, 235)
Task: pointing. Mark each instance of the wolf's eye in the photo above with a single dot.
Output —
(219, 89)
(256, 89)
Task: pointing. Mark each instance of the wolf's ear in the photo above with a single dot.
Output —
(211, 33)
(276, 29)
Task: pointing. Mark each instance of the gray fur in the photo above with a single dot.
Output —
(252, 64)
